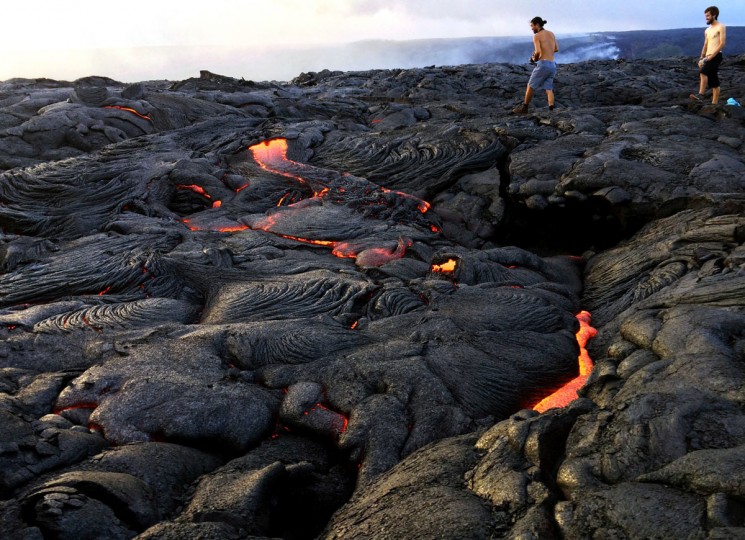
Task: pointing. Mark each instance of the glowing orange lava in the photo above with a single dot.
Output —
(269, 154)
(422, 205)
(445, 267)
(344, 250)
(568, 393)
(83, 405)
(196, 189)
(269, 151)
(129, 110)
(321, 194)
(237, 228)
(187, 222)
(326, 243)
(321, 406)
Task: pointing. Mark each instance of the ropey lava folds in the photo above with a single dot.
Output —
(296, 310)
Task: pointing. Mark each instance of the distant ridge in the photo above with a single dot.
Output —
(651, 45)
(631, 45)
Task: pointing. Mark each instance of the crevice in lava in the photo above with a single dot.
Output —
(188, 201)
(37, 510)
(574, 227)
(302, 502)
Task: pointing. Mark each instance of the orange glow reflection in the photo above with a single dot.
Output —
(568, 393)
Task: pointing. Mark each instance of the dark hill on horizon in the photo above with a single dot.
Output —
(631, 45)
(668, 43)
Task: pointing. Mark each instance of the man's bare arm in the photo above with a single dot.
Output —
(706, 43)
(537, 47)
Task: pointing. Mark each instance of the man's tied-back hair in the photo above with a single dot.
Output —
(714, 10)
(540, 22)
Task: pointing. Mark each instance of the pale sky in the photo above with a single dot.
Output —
(76, 38)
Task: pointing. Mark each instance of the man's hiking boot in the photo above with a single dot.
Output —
(522, 108)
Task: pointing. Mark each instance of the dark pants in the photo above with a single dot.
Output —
(711, 70)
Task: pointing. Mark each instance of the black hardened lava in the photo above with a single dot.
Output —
(358, 305)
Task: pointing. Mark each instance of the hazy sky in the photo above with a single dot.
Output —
(75, 38)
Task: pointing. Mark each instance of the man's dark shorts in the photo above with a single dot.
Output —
(711, 70)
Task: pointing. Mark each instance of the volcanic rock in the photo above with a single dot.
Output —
(329, 307)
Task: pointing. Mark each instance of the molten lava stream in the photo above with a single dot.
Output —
(271, 156)
(568, 393)
(130, 110)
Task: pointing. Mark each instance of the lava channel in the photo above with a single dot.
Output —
(568, 393)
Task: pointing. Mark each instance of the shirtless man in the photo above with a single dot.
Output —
(545, 45)
(711, 55)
